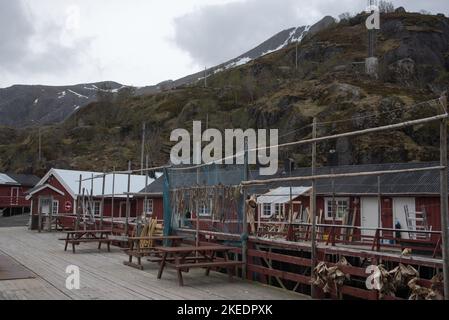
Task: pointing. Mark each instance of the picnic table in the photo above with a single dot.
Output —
(75, 238)
(140, 247)
(185, 258)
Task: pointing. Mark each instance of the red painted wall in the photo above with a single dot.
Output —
(7, 202)
(67, 198)
(158, 207)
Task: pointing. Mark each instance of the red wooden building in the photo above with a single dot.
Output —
(58, 192)
(13, 188)
(409, 200)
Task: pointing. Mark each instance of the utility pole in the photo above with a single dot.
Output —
(205, 77)
(40, 146)
(142, 148)
(296, 60)
(313, 207)
(444, 198)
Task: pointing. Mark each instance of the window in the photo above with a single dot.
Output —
(279, 209)
(341, 208)
(267, 210)
(148, 206)
(96, 208)
(55, 207)
(205, 209)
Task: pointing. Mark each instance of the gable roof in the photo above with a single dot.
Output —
(282, 194)
(70, 180)
(26, 180)
(410, 183)
(40, 188)
(225, 175)
(6, 179)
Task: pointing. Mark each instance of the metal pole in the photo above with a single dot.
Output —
(313, 207)
(127, 199)
(244, 218)
(444, 200)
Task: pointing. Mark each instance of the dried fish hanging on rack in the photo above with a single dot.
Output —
(330, 278)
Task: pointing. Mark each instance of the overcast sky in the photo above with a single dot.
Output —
(143, 42)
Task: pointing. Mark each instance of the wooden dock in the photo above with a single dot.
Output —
(103, 275)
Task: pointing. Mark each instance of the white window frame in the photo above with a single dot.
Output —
(205, 211)
(265, 207)
(96, 205)
(15, 192)
(55, 205)
(328, 204)
(148, 209)
(279, 209)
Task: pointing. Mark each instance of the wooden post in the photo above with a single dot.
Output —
(379, 203)
(444, 199)
(102, 202)
(78, 204)
(244, 218)
(197, 214)
(144, 213)
(112, 199)
(39, 214)
(313, 207)
(128, 209)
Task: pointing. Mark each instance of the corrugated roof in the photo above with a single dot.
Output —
(282, 194)
(423, 182)
(6, 179)
(27, 180)
(70, 178)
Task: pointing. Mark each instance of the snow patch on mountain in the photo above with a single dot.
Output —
(77, 94)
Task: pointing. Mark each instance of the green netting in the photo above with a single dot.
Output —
(208, 197)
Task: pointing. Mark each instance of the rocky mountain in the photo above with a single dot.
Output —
(24, 105)
(273, 44)
(270, 92)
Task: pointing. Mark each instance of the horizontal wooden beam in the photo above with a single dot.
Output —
(280, 274)
(280, 257)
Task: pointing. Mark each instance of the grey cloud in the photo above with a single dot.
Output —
(212, 34)
(18, 35)
(216, 33)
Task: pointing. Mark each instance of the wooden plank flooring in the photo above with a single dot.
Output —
(103, 275)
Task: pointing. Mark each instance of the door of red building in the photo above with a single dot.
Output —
(387, 215)
(14, 196)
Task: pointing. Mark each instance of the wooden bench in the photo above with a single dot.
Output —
(180, 258)
(75, 238)
(139, 252)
